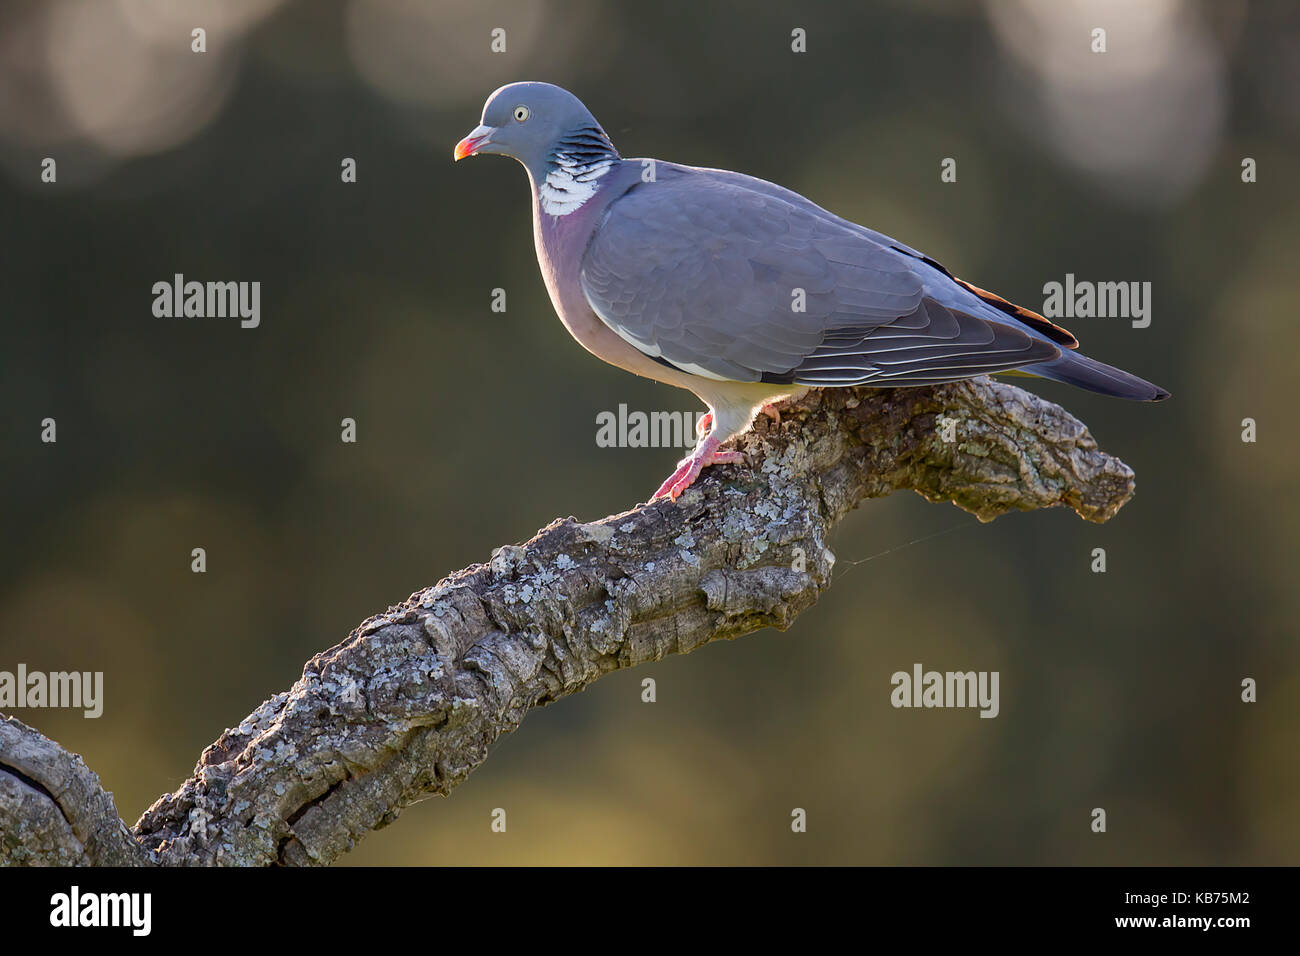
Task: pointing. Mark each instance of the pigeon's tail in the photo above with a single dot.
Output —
(1075, 369)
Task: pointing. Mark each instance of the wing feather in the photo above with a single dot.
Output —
(745, 285)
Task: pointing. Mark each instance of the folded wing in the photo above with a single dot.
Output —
(730, 283)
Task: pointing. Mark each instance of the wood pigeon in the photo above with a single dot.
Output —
(743, 292)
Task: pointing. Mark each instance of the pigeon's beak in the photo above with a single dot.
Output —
(471, 144)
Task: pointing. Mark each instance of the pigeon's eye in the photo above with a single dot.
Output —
(521, 113)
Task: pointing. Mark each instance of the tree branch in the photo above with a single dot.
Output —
(409, 704)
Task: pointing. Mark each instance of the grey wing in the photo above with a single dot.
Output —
(722, 281)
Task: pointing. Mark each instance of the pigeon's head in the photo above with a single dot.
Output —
(536, 123)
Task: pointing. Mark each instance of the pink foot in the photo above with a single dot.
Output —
(689, 468)
(771, 412)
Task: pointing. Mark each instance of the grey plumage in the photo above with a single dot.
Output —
(743, 291)
(719, 279)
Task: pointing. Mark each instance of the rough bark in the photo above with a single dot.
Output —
(409, 704)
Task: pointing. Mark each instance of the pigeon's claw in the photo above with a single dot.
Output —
(726, 458)
(688, 469)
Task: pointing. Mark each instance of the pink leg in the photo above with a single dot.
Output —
(704, 424)
(771, 412)
(689, 468)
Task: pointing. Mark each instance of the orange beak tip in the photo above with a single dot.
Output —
(467, 147)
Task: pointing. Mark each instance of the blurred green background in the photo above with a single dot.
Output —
(1119, 690)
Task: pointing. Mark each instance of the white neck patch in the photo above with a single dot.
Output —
(570, 184)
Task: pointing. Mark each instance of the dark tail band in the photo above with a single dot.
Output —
(1075, 369)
